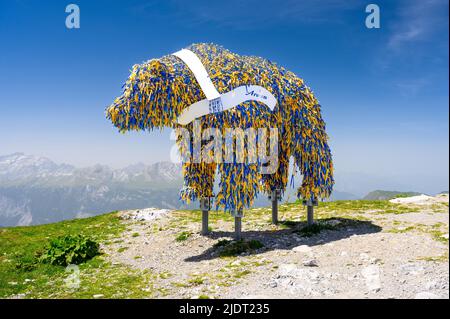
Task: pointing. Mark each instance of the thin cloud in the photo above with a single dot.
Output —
(414, 46)
(417, 20)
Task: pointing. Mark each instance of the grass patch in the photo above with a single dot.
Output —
(439, 236)
(222, 243)
(186, 216)
(196, 281)
(441, 258)
(122, 249)
(20, 246)
(111, 281)
(165, 275)
(286, 224)
(401, 230)
(242, 273)
(314, 229)
(184, 235)
(375, 206)
(335, 223)
(227, 248)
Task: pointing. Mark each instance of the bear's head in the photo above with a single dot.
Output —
(154, 95)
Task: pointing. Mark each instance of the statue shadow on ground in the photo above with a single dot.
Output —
(294, 234)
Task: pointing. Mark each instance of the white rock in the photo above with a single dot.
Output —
(332, 276)
(148, 214)
(426, 295)
(371, 275)
(302, 249)
(420, 200)
(431, 285)
(364, 256)
(411, 269)
(287, 269)
(98, 296)
(297, 280)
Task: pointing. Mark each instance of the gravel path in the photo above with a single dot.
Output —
(378, 256)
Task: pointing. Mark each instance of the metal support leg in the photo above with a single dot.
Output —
(237, 228)
(275, 197)
(310, 211)
(238, 224)
(274, 211)
(204, 206)
(205, 229)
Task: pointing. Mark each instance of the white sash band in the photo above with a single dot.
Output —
(200, 73)
(215, 102)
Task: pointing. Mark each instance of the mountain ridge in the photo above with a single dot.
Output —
(36, 190)
(18, 169)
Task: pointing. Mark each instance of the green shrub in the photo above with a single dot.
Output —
(234, 248)
(183, 236)
(222, 243)
(255, 244)
(68, 249)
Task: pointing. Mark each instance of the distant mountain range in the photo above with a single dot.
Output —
(36, 190)
(20, 169)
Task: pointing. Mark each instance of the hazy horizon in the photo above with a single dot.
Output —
(355, 183)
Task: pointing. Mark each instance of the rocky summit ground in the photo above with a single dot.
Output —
(356, 249)
(361, 249)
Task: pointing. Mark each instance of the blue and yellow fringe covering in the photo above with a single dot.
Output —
(158, 90)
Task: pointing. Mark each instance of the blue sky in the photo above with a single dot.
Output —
(384, 92)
